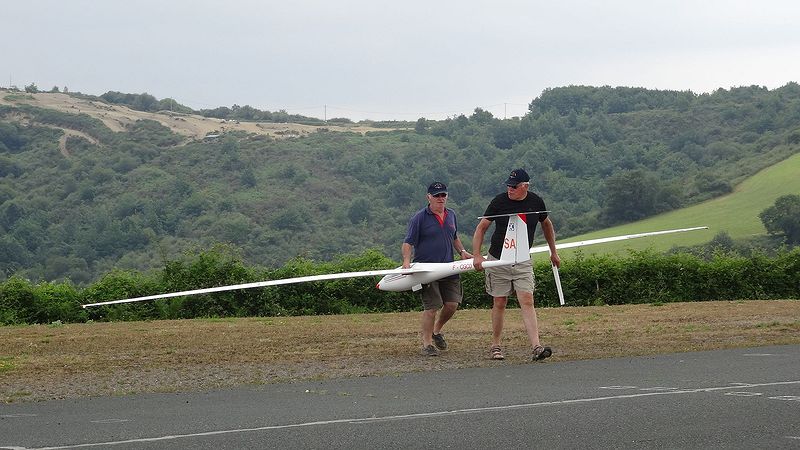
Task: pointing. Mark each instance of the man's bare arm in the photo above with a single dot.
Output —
(477, 242)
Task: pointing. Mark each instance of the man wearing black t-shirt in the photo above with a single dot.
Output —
(505, 280)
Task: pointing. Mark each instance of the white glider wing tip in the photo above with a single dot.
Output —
(544, 248)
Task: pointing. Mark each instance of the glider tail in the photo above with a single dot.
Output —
(515, 244)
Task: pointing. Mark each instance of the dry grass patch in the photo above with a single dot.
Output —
(62, 361)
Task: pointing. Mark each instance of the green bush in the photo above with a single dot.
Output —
(118, 285)
(640, 277)
(22, 302)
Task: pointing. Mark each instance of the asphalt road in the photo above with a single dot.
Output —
(747, 398)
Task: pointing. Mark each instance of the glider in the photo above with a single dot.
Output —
(413, 278)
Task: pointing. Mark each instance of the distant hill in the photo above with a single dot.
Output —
(87, 185)
(193, 127)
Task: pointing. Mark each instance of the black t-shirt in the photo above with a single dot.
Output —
(501, 204)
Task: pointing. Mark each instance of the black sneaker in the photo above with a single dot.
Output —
(429, 350)
(540, 353)
(439, 342)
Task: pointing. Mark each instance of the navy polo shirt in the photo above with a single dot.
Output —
(432, 239)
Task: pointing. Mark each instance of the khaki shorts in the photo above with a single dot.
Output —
(505, 280)
(436, 293)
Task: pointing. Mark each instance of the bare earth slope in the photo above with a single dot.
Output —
(65, 361)
(193, 127)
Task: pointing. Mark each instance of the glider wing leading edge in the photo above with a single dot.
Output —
(400, 279)
(396, 280)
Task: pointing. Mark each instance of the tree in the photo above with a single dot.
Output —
(248, 178)
(31, 88)
(722, 241)
(630, 195)
(289, 219)
(711, 183)
(10, 213)
(402, 192)
(359, 210)
(11, 139)
(15, 256)
(481, 116)
(505, 133)
(794, 137)
(145, 102)
(783, 217)
(8, 167)
(421, 126)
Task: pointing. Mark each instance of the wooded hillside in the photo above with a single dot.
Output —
(78, 198)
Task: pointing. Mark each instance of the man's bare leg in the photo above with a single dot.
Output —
(529, 316)
(498, 316)
(427, 321)
(445, 314)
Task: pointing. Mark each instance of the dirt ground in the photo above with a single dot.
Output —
(95, 359)
(193, 127)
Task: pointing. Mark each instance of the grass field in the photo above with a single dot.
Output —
(41, 362)
(736, 214)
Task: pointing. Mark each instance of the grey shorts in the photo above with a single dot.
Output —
(505, 280)
(436, 293)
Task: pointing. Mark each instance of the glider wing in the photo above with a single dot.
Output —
(330, 276)
(544, 248)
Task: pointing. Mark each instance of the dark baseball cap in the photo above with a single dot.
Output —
(437, 187)
(517, 176)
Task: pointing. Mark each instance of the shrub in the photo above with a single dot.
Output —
(640, 277)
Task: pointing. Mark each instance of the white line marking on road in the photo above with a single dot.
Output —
(367, 420)
(110, 420)
(791, 398)
(617, 387)
(744, 394)
(14, 416)
(758, 354)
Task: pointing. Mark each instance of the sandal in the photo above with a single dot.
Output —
(497, 352)
(540, 353)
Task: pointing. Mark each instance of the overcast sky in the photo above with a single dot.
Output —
(374, 59)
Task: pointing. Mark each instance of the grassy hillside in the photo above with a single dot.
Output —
(735, 214)
(87, 186)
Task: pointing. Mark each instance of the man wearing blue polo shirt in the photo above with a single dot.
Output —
(432, 237)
